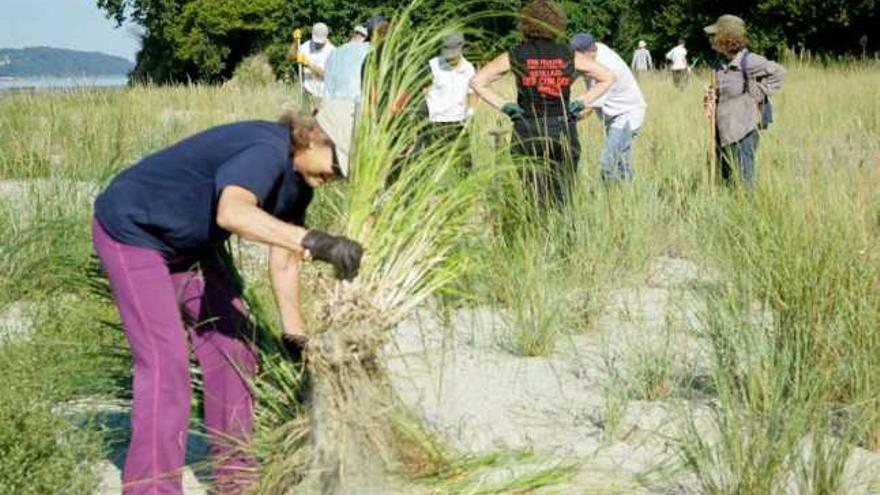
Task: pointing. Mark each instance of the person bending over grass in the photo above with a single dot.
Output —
(159, 230)
(740, 102)
(621, 110)
(545, 114)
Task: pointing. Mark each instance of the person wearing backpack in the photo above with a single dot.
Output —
(740, 99)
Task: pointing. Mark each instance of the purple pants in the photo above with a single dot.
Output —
(157, 300)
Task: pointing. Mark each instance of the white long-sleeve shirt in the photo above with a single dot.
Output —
(642, 61)
(678, 57)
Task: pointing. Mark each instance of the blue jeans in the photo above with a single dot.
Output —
(738, 160)
(617, 154)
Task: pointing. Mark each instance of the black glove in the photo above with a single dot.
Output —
(294, 346)
(341, 252)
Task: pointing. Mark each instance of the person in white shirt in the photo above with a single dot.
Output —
(313, 55)
(621, 109)
(449, 99)
(679, 64)
(359, 34)
(450, 96)
(642, 61)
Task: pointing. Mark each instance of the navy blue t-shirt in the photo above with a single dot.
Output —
(168, 200)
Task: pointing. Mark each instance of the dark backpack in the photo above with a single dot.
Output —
(765, 107)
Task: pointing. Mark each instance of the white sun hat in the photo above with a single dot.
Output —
(337, 119)
(320, 32)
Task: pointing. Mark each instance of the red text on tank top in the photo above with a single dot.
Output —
(547, 75)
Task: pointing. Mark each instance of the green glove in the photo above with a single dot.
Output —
(513, 110)
(576, 108)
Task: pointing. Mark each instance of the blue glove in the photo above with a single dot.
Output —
(576, 108)
(513, 110)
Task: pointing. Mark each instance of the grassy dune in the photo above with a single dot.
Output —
(803, 253)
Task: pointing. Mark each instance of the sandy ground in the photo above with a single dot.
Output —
(15, 322)
(480, 398)
(111, 480)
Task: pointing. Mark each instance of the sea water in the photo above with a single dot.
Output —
(63, 82)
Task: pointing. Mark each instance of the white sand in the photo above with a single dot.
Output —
(480, 398)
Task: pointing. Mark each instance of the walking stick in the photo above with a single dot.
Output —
(297, 41)
(713, 129)
(497, 134)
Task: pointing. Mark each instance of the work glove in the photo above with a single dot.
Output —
(341, 252)
(294, 346)
(576, 108)
(302, 59)
(709, 103)
(513, 110)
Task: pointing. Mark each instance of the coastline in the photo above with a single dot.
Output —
(35, 84)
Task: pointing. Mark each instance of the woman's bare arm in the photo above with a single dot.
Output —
(492, 72)
(284, 274)
(237, 212)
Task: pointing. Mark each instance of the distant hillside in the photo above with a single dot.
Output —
(58, 62)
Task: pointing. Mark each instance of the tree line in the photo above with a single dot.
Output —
(204, 40)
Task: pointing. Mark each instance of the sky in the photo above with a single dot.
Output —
(74, 24)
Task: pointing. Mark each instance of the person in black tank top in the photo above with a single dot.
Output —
(544, 71)
(544, 115)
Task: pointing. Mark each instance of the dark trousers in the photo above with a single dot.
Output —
(444, 133)
(680, 78)
(737, 161)
(554, 142)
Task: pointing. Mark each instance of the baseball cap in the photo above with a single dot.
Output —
(337, 119)
(453, 46)
(373, 23)
(583, 42)
(361, 30)
(729, 24)
(320, 32)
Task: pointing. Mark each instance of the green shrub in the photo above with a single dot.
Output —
(42, 453)
(253, 72)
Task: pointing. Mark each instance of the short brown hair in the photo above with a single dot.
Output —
(301, 125)
(729, 43)
(544, 20)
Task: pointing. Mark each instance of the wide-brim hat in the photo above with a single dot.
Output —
(338, 119)
(728, 24)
